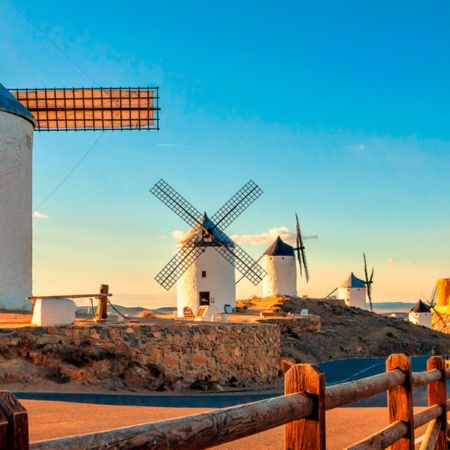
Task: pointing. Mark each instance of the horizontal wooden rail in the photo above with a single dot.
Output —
(59, 297)
(424, 378)
(199, 431)
(353, 391)
(392, 433)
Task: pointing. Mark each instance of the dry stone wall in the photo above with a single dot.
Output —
(153, 357)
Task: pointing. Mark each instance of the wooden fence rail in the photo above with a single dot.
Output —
(301, 410)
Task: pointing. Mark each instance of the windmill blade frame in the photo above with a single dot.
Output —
(182, 260)
(237, 204)
(368, 282)
(176, 202)
(234, 254)
(301, 250)
(91, 109)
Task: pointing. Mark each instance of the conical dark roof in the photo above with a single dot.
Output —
(279, 248)
(420, 307)
(10, 104)
(218, 238)
(353, 282)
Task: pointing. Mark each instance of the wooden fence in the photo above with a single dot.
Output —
(301, 410)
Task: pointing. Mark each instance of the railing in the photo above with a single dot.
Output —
(301, 410)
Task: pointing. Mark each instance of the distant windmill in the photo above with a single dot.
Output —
(368, 282)
(21, 112)
(279, 262)
(432, 307)
(203, 267)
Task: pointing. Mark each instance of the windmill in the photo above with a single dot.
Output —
(368, 282)
(432, 307)
(204, 264)
(22, 111)
(279, 263)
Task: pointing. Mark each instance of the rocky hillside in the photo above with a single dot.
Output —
(351, 332)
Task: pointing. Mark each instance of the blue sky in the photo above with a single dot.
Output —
(338, 110)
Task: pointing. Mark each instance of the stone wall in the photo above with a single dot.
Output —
(154, 357)
(296, 324)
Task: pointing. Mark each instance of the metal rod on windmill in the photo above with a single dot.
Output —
(23, 111)
(200, 266)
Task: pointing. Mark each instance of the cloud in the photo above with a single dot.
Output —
(269, 237)
(162, 237)
(265, 238)
(178, 234)
(391, 261)
(40, 215)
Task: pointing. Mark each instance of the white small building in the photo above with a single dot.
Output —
(420, 314)
(210, 280)
(353, 292)
(279, 263)
(16, 139)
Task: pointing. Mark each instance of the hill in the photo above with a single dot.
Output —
(351, 332)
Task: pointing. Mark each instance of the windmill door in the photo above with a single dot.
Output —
(204, 298)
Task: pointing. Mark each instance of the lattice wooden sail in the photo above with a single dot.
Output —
(73, 109)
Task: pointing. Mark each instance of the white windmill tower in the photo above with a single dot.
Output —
(21, 112)
(279, 263)
(204, 266)
(353, 292)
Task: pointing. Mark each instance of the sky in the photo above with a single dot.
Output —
(338, 110)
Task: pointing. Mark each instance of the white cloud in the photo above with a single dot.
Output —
(178, 234)
(40, 215)
(162, 237)
(269, 237)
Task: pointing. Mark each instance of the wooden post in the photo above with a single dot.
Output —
(16, 436)
(102, 304)
(309, 432)
(437, 395)
(400, 401)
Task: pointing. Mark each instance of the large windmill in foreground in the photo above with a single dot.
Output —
(204, 265)
(279, 263)
(21, 112)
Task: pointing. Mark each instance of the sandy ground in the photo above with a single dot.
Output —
(49, 420)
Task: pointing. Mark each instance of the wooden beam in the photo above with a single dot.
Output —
(353, 391)
(199, 431)
(55, 297)
(437, 395)
(430, 441)
(102, 304)
(400, 401)
(382, 439)
(17, 417)
(308, 432)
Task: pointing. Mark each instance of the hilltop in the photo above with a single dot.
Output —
(351, 332)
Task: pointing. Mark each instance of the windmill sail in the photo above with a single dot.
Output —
(300, 249)
(211, 235)
(65, 109)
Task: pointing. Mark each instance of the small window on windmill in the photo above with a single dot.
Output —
(207, 236)
(203, 273)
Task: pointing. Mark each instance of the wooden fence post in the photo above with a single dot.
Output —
(102, 304)
(13, 436)
(307, 433)
(435, 436)
(400, 401)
